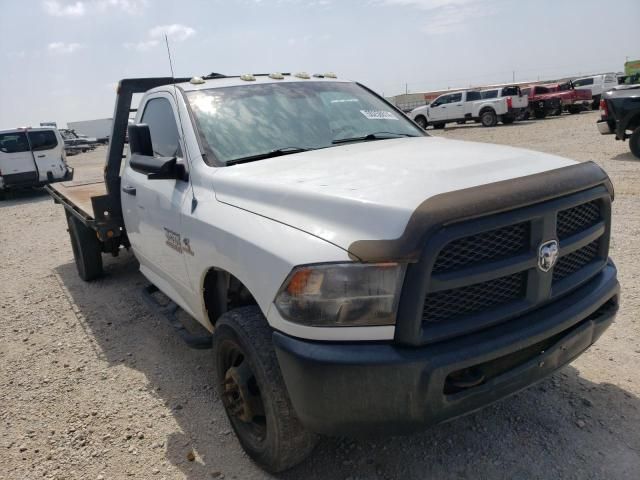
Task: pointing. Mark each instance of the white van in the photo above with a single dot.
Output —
(598, 84)
(31, 157)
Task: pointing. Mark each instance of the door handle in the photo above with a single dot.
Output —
(41, 156)
(129, 190)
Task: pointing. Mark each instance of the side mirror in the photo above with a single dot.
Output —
(140, 140)
(143, 160)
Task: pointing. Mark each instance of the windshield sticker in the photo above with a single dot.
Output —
(378, 115)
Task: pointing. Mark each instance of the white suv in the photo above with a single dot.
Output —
(31, 157)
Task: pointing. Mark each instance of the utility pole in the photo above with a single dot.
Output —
(406, 89)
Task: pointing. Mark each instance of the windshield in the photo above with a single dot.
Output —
(248, 120)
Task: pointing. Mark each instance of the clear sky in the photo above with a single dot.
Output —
(61, 59)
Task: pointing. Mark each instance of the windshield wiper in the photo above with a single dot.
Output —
(372, 136)
(278, 152)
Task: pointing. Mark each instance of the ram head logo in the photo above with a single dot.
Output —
(548, 255)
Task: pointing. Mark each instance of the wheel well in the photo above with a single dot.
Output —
(222, 291)
(486, 109)
(634, 122)
(421, 116)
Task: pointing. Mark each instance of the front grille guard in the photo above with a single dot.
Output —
(540, 287)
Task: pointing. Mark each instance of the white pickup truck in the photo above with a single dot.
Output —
(468, 105)
(354, 275)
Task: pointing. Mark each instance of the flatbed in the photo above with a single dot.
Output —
(79, 194)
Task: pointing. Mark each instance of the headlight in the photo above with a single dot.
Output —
(341, 295)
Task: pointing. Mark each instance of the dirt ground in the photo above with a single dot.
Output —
(95, 385)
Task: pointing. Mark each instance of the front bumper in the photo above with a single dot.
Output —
(360, 389)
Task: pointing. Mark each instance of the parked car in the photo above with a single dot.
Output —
(541, 102)
(620, 115)
(573, 100)
(357, 275)
(73, 143)
(31, 157)
(518, 101)
(463, 106)
(598, 84)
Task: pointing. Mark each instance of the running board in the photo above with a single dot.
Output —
(170, 311)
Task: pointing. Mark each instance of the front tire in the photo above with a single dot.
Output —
(253, 392)
(634, 142)
(438, 126)
(87, 251)
(420, 120)
(488, 118)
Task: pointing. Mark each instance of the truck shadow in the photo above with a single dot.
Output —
(566, 426)
(22, 197)
(627, 156)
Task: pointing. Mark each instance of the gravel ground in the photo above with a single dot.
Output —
(95, 385)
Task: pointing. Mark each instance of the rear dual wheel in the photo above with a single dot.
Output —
(634, 142)
(87, 250)
(253, 392)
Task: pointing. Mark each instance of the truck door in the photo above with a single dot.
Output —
(457, 107)
(47, 152)
(152, 208)
(438, 108)
(17, 166)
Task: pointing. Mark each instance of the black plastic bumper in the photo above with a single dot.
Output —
(360, 389)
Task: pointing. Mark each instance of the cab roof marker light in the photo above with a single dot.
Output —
(330, 75)
(197, 81)
(247, 77)
(303, 75)
(276, 76)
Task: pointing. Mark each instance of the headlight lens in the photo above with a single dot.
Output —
(342, 295)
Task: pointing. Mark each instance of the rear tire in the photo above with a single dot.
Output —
(634, 142)
(573, 110)
(596, 103)
(255, 398)
(87, 251)
(420, 120)
(540, 114)
(488, 118)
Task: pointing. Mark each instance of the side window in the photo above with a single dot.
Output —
(456, 97)
(13, 142)
(42, 140)
(443, 100)
(490, 94)
(158, 114)
(471, 96)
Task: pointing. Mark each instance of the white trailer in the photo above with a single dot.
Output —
(99, 128)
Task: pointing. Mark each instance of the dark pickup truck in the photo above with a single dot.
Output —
(620, 115)
(541, 103)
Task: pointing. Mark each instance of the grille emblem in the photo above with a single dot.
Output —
(547, 255)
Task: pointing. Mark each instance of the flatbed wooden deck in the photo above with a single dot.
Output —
(79, 193)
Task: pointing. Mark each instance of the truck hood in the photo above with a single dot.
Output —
(369, 190)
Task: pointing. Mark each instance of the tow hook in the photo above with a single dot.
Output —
(465, 378)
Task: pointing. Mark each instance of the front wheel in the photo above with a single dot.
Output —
(488, 118)
(634, 142)
(420, 120)
(438, 126)
(253, 392)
